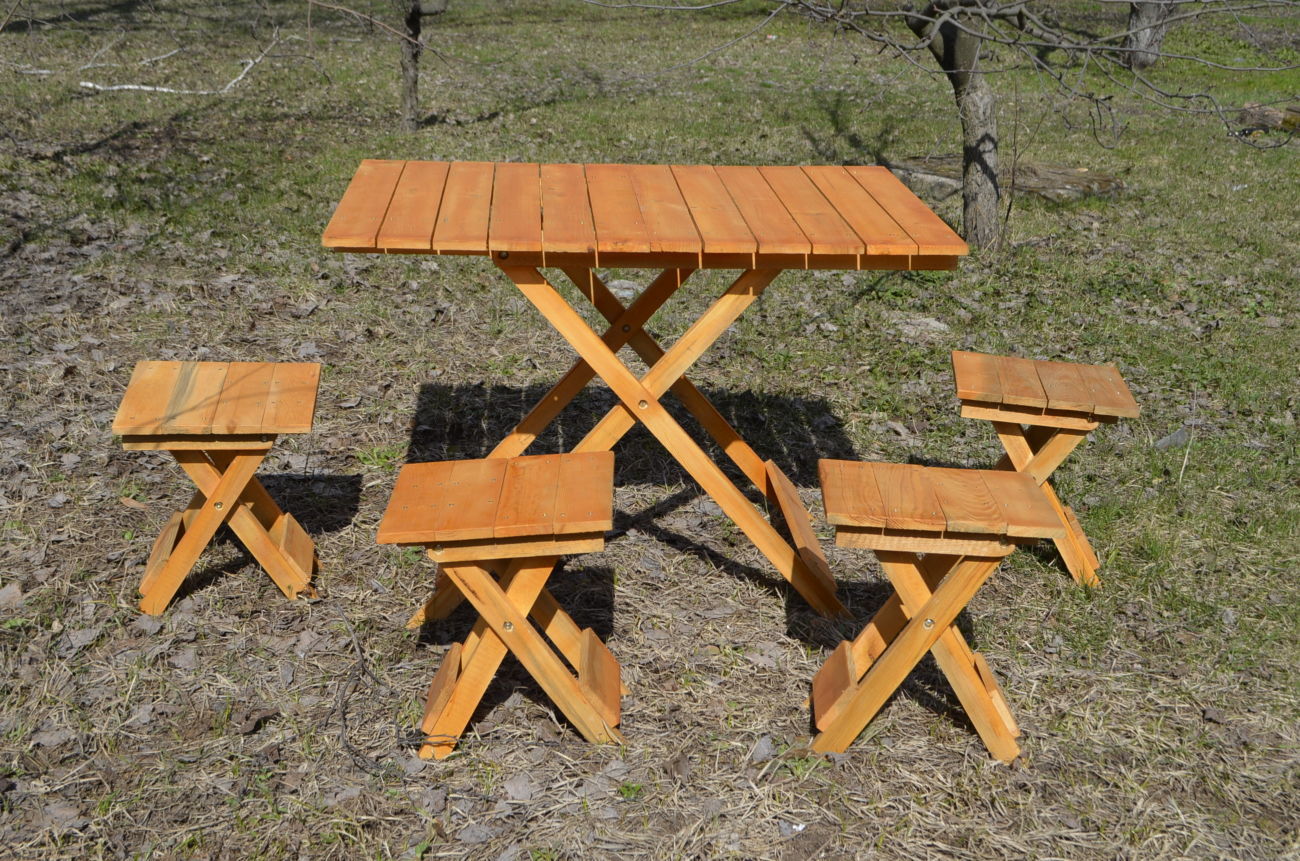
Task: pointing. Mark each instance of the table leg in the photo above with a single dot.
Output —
(640, 402)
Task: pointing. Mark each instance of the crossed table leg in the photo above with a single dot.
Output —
(229, 493)
(803, 566)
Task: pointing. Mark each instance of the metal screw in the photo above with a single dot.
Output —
(437, 548)
(503, 254)
(218, 505)
(929, 623)
(509, 626)
(642, 404)
(627, 328)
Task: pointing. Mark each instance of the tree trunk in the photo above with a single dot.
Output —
(1147, 25)
(411, 68)
(957, 52)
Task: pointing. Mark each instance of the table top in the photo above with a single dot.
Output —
(702, 216)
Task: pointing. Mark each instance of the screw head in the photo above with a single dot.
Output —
(643, 404)
(218, 505)
(503, 254)
(509, 626)
(929, 623)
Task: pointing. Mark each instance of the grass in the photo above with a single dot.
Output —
(1160, 711)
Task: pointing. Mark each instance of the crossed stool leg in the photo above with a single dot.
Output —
(1041, 412)
(938, 534)
(219, 420)
(515, 516)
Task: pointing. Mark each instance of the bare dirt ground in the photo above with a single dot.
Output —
(1160, 712)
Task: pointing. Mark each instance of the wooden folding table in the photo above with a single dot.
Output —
(581, 218)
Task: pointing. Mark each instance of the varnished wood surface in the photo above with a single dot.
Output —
(822, 216)
(177, 399)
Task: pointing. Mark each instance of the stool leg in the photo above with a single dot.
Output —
(954, 655)
(254, 514)
(220, 503)
(510, 626)
(1039, 452)
(862, 701)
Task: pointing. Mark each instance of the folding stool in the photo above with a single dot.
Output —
(939, 534)
(219, 420)
(497, 527)
(1059, 403)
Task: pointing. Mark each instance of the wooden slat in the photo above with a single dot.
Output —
(473, 495)
(868, 218)
(419, 494)
(1110, 394)
(799, 523)
(965, 501)
(775, 230)
(927, 230)
(922, 541)
(440, 689)
(359, 215)
(976, 376)
(294, 542)
(1019, 382)
(584, 501)
(516, 220)
(1028, 513)
(1064, 387)
(481, 549)
(1024, 415)
(466, 205)
(909, 501)
(527, 507)
(849, 493)
(242, 407)
(567, 227)
(827, 232)
(615, 211)
(722, 228)
(193, 400)
(663, 210)
(835, 679)
(598, 676)
(151, 384)
(291, 398)
(413, 212)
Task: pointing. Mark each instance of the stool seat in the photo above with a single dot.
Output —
(1051, 394)
(180, 399)
(926, 509)
(219, 420)
(503, 508)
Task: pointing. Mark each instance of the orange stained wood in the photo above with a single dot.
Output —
(359, 215)
(620, 228)
(826, 230)
(466, 205)
(770, 217)
(976, 375)
(931, 235)
(722, 228)
(1064, 387)
(413, 212)
(567, 227)
(663, 210)
(909, 501)
(878, 229)
(850, 495)
(206, 398)
(1020, 384)
(1027, 511)
(1110, 394)
(967, 504)
(500, 498)
(516, 219)
(774, 229)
